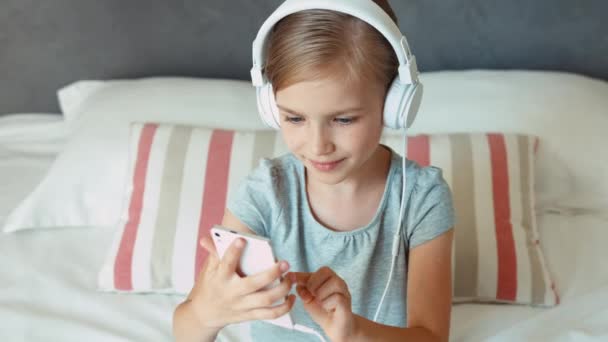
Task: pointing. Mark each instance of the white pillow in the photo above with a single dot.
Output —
(84, 185)
(74, 95)
(214, 102)
(567, 112)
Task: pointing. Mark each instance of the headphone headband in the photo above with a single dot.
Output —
(365, 10)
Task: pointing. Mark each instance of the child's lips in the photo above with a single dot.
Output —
(326, 166)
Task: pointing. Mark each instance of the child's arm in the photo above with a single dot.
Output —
(186, 326)
(369, 330)
(429, 296)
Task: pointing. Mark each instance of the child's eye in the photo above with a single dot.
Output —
(293, 119)
(345, 121)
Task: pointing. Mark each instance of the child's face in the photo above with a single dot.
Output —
(332, 127)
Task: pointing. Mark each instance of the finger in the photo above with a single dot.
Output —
(207, 242)
(267, 297)
(331, 286)
(304, 294)
(301, 277)
(272, 311)
(212, 258)
(336, 301)
(207, 266)
(318, 278)
(232, 257)
(262, 279)
(314, 309)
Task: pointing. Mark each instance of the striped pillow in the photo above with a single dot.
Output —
(190, 172)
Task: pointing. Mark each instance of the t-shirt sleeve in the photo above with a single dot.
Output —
(431, 210)
(252, 201)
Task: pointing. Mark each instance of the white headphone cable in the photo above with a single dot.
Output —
(397, 238)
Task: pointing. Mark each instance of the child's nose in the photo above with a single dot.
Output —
(321, 141)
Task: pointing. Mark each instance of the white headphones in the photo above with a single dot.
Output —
(405, 93)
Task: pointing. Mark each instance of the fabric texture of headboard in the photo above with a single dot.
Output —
(46, 45)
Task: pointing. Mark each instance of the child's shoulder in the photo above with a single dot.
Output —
(417, 175)
(275, 171)
(419, 179)
(426, 182)
(280, 164)
(425, 176)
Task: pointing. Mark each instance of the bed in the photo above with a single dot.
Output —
(52, 278)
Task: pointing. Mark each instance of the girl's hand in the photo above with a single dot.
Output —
(326, 298)
(220, 296)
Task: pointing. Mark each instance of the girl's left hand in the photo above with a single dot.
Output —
(326, 298)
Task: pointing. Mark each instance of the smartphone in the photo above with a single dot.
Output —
(257, 257)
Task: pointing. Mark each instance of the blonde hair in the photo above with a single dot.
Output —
(319, 44)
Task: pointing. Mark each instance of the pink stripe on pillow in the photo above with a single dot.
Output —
(418, 148)
(216, 188)
(507, 258)
(122, 266)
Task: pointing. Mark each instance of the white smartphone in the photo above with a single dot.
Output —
(257, 257)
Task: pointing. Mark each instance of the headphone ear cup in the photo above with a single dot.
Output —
(413, 104)
(267, 106)
(401, 104)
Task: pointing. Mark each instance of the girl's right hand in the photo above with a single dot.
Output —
(220, 296)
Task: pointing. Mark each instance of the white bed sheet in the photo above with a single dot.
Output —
(28, 145)
(48, 278)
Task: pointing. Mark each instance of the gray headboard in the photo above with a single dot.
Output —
(47, 44)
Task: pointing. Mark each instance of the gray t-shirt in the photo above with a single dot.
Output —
(272, 201)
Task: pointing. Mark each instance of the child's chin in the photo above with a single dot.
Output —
(329, 178)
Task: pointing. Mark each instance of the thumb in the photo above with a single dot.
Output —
(314, 309)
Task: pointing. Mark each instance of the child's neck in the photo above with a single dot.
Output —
(366, 195)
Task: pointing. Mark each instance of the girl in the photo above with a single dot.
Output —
(331, 206)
